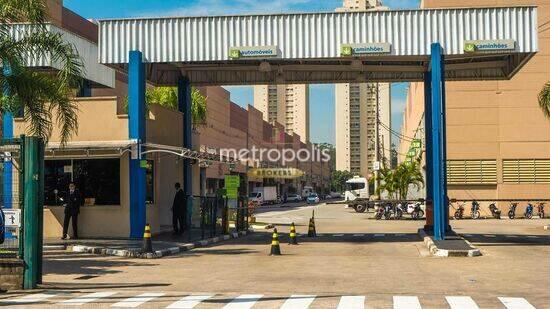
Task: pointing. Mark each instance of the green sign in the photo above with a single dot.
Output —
(416, 144)
(411, 153)
(469, 47)
(234, 54)
(346, 50)
(232, 193)
(232, 181)
(143, 164)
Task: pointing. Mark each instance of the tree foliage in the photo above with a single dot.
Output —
(338, 181)
(44, 97)
(397, 182)
(544, 99)
(168, 97)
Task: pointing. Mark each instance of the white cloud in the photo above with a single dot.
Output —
(398, 106)
(224, 7)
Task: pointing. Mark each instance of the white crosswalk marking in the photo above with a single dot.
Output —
(33, 298)
(88, 298)
(338, 235)
(189, 302)
(243, 302)
(515, 303)
(489, 235)
(136, 301)
(399, 235)
(352, 302)
(379, 235)
(461, 302)
(358, 235)
(406, 302)
(298, 302)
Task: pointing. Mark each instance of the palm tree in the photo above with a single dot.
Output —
(398, 181)
(544, 99)
(43, 97)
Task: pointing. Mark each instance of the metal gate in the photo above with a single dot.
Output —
(11, 196)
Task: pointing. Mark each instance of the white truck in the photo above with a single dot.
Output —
(264, 195)
(357, 193)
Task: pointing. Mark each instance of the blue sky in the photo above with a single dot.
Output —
(321, 96)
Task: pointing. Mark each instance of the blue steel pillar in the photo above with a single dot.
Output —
(438, 140)
(136, 130)
(184, 106)
(7, 133)
(428, 145)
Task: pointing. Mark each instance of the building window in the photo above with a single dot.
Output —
(526, 171)
(97, 179)
(461, 172)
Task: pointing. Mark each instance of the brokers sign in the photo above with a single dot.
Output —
(286, 173)
(348, 50)
(253, 52)
(473, 46)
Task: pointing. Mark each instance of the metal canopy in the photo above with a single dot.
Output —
(309, 48)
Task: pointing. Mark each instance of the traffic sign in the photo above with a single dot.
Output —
(12, 218)
(232, 181)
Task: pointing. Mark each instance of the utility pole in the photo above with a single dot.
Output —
(377, 132)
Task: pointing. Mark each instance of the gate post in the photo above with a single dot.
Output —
(438, 139)
(33, 206)
(428, 145)
(136, 131)
(184, 106)
(7, 133)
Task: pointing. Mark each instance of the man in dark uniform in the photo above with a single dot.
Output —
(178, 211)
(73, 201)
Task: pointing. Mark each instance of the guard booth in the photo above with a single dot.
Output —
(430, 45)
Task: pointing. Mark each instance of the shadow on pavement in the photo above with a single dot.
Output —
(71, 265)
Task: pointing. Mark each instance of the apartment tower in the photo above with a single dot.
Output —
(363, 116)
(285, 104)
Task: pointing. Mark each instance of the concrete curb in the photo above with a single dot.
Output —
(435, 251)
(136, 253)
(54, 247)
(262, 226)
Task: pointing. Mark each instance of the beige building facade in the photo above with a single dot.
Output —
(285, 104)
(498, 146)
(363, 116)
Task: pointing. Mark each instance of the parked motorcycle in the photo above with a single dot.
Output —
(540, 210)
(459, 212)
(379, 212)
(417, 212)
(528, 211)
(475, 214)
(512, 210)
(388, 211)
(495, 211)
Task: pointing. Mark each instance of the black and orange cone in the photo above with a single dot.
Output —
(147, 244)
(311, 229)
(293, 236)
(275, 248)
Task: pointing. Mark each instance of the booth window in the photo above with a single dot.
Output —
(97, 179)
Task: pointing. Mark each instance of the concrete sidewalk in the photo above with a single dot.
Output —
(163, 245)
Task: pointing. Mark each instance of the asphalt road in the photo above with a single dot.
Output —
(356, 262)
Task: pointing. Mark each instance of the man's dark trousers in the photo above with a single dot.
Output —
(70, 216)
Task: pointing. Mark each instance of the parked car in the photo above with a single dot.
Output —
(293, 198)
(313, 198)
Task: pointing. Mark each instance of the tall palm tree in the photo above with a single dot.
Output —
(544, 99)
(408, 174)
(168, 97)
(44, 97)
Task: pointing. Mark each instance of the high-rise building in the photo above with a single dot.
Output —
(285, 104)
(363, 116)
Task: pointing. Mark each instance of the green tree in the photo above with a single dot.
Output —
(397, 182)
(168, 97)
(338, 180)
(544, 99)
(44, 97)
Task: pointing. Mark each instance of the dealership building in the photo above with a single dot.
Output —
(97, 157)
(498, 146)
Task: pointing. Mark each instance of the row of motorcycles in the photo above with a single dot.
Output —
(389, 210)
(496, 213)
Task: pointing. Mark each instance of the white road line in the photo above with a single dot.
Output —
(406, 302)
(399, 235)
(243, 302)
(379, 235)
(461, 302)
(189, 302)
(136, 301)
(488, 235)
(298, 302)
(358, 235)
(33, 298)
(88, 298)
(352, 302)
(515, 303)
(511, 236)
(338, 235)
(532, 236)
